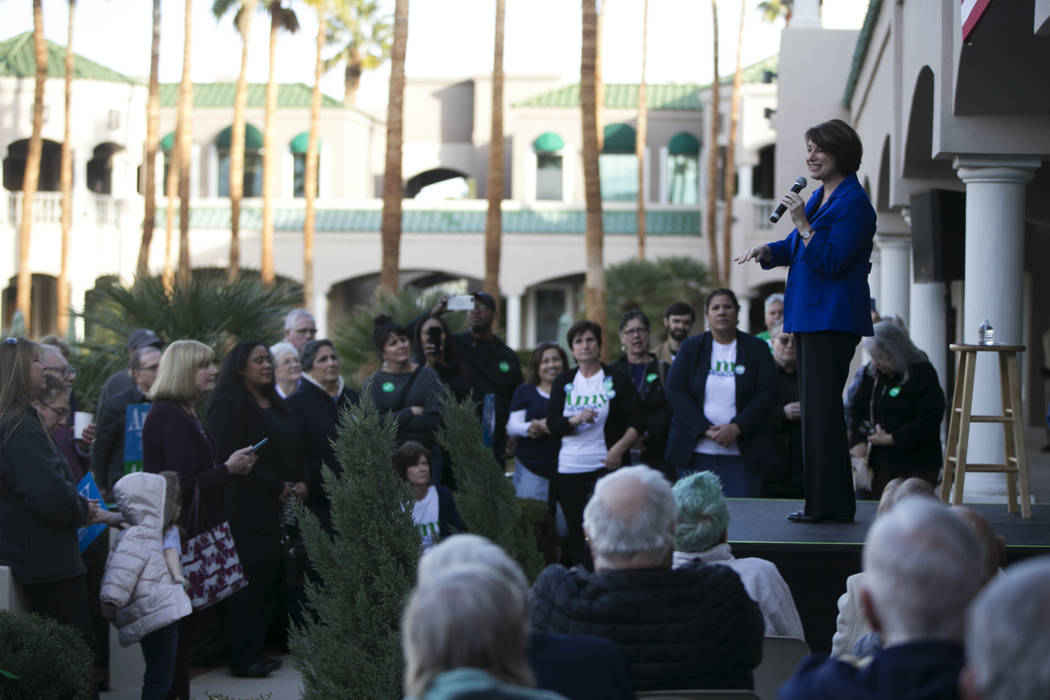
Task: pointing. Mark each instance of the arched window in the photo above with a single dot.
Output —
(100, 168)
(50, 166)
(253, 142)
(548, 147)
(683, 169)
(618, 164)
(298, 148)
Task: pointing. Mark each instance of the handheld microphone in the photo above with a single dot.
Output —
(779, 211)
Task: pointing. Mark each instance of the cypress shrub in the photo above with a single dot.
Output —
(41, 659)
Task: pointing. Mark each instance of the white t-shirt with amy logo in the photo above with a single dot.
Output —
(583, 450)
(720, 395)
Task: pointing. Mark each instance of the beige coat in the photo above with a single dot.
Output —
(138, 591)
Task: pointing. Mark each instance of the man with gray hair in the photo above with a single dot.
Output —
(1008, 636)
(688, 628)
(774, 316)
(923, 565)
(300, 327)
(576, 666)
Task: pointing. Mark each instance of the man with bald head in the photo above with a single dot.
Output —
(693, 627)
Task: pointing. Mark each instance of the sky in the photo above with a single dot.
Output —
(446, 38)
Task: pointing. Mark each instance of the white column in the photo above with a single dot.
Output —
(806, 14)
(744, 316)
(513, 321)
(745, 175)
(320, 310)
(875, 277)
(928, 326)
(992, 289)
(895, 272)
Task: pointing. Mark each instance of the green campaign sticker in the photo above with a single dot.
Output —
(651, 377)
(895, 390)
(388, 387)
(504, 366)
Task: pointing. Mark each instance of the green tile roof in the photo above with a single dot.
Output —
(563, 221)
(222, 94)
(660, 96)
(17, 61)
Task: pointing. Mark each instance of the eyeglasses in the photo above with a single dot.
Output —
(785, 340)
(306, 331)
(638, 330)
(60, 412)
(65, 372)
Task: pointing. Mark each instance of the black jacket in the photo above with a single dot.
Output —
(449, 520)
(755, 394)
(784, 478)
(107, 452)
(318, 416)
(693, 627)
(654, 403)
(40, 509)
(625, 408)
(911, 411)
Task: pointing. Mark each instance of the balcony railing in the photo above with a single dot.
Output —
(47, 208)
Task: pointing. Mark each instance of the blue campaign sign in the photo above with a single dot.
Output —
(89, 489)
(134, 417)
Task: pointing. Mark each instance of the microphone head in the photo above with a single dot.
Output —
(801, 182)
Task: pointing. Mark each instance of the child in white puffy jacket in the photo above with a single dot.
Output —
(143, 590)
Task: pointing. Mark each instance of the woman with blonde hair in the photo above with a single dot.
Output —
(174, 439)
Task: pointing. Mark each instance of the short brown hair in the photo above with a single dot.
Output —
(838, 139)
(581, 327)
(408, 455)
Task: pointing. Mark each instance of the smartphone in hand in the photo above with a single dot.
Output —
(256, 446)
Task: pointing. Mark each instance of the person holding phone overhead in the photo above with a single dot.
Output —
(826, 308)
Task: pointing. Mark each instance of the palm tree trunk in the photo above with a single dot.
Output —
(171, 189)
(392, 187)
(352, 78)
(183, 144)
(712, 157)
(266, 268)
(152, 119)
(730, 164)
(32, 171)
(594, 279)
(310, 177)
(62, 308)
(494, 218)
(643, 125)
(599, 81)
(236, 171)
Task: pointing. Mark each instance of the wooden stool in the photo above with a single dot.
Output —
(955, 464)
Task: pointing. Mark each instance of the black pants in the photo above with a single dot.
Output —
(574, 490)
(823, 367)
(65, 602)
(159, 649)
(251, 608)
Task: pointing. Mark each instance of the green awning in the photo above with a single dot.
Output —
(253, 139)
(683, 143)
(619, 138)
(300, 143)
(168, 142)
(548, 142)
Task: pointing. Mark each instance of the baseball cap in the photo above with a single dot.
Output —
(142, 337)
(485, 299)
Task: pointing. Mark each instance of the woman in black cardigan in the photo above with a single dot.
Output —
(173, 438)
(897, 410)
(245, 408)
(722, 388)
(596, 412)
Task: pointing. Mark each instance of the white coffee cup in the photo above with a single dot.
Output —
(81, 420)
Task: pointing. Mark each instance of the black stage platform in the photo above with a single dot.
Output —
(815, 559)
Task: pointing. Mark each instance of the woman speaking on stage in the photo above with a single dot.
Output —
(826, 307)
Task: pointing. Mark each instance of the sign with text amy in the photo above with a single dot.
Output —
(134, 417)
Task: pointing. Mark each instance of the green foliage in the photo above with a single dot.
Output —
(652, 285)
(30, 645)
(351, 647)
(353, 338)
(486, 496)
(211, 310)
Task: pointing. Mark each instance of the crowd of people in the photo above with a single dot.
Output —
(634, 459)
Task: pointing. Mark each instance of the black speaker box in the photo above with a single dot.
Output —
(938, 235)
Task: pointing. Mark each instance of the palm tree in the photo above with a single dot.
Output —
(310, 178)
(62, 308)
(32, 171)
(171, 191)
(152, 118)
(243, 20)
(599, 81)
(772, 9)
(364, 37)
(730, 162)
(392, 187)
(712, 155)
(183, 146)
(281, 17)
(643, 123)
(494, 218)
(594, 279)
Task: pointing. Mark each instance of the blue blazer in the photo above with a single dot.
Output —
(756, 388)
(827, 284)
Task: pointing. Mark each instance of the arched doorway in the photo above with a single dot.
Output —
(440, 184)
(50, 166)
